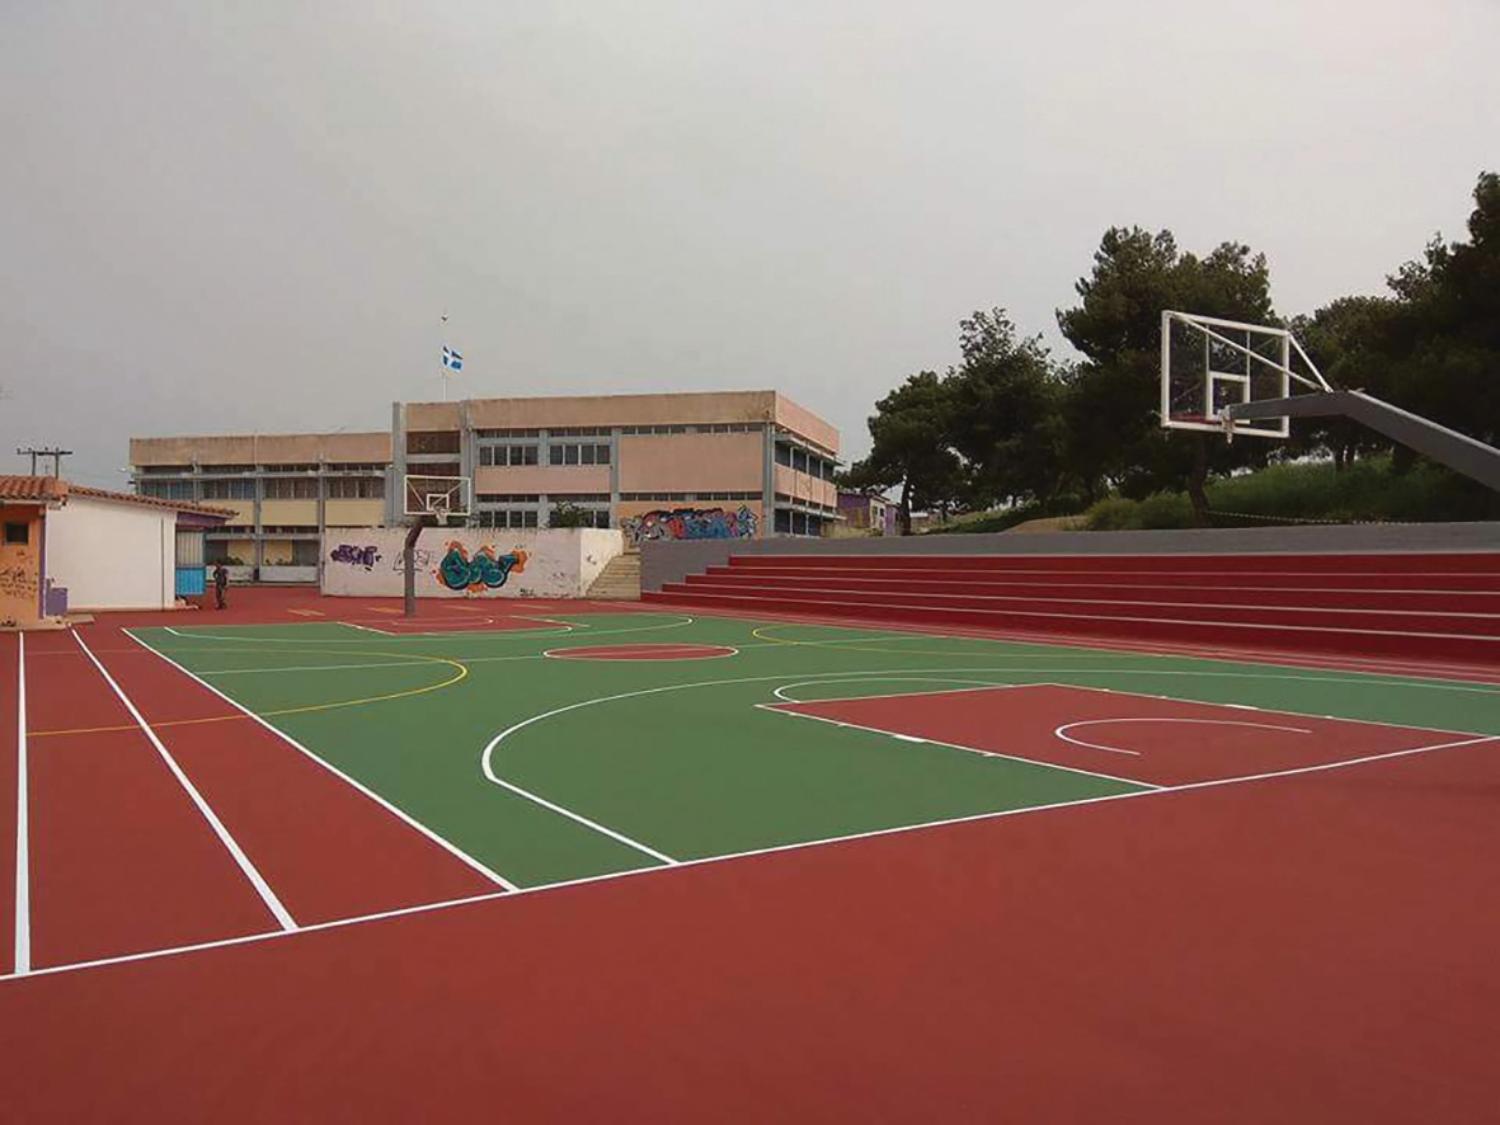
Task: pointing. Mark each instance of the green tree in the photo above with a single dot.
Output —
(1352, 341)
(1445, 344)
(1110, 410)
(1006, 421)
(912, 430)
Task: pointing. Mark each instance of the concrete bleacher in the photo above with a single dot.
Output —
(1426, 605)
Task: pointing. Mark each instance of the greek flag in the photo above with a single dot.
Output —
(452, 360)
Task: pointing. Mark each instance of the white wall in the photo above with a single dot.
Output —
(112, 555)
(366, 561)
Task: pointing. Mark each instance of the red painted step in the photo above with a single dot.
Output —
(1476, 562)
(1219, 591)
(1084, 623)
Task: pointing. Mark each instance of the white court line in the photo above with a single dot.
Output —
(780, 710)
(22, 959)
(777, 692)
(774, 849)
(499, 634)
(1061, 732)
(407, 819)
(250, 871)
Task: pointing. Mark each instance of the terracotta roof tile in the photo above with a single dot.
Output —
(43, 489)
(150, 501)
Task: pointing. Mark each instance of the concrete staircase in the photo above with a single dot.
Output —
(1428, 605)
(620, 580)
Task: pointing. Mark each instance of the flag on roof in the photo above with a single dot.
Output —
(452, 360)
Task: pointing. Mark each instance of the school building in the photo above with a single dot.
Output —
(681, 466)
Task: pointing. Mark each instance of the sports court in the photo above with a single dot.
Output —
(630, 840)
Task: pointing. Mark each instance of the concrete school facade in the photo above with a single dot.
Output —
(737, 464)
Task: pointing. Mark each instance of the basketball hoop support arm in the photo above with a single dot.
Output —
(1461, 453)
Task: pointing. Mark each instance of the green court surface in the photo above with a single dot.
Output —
(548, 770)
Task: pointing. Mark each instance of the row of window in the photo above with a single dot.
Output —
(783, 498)
(798, 523)
(508, 454)
(502, 517)
(356, 488)
(230, 552)
(508, 498)
(802, 461)
(571, 454)
(508, 433)
(517, 518)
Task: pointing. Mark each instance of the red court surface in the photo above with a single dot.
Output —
(329, 850)
(1135, 737)
(1260, 952)
(127, 860)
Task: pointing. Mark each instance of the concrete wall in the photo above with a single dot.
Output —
(111, 555)
(560, 479)
(20, 566)
(261, 449)
(696, 462)
(467, 562)
(663, 562)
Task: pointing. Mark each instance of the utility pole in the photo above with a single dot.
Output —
(51, 451)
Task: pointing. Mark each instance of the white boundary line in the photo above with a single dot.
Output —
(1060, 732)
(494, 634)
(562, 653)
(412, 822)
(781, 710)
(774, 849)
(282, 915)
(22, 960)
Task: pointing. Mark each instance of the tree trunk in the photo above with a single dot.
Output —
(903, 510)
(1197, 479)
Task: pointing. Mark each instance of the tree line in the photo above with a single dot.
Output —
(1013, 424)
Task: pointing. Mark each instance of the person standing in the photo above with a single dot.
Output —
(221, 584)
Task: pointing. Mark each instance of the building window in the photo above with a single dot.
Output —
(507, 433)
(642, 430)
(508, 498)
(229, 490)
(571, 454)
(507, 518)
(167, 489)
(306, 552)
(508, 454)
(356, 488)
(17, 534)
(432, 441)
(291, 488)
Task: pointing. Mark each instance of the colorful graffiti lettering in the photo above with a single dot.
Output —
(691, 523)
(485, 570)
(366, 557)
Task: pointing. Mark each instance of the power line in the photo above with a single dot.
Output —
(52, 451)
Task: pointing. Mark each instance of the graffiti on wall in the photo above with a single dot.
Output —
(484, 570)
(691, 523)
(351, 555)
(18, 582)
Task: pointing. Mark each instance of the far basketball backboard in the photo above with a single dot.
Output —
(440, 497)
(1209, 364)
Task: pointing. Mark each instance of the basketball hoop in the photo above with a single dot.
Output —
(439, 498)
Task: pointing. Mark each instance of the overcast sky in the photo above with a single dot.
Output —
(249, 216)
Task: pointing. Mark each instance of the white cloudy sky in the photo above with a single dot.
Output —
(236, 217)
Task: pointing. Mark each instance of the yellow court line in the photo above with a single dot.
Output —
(307, 612)
(463, 671)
